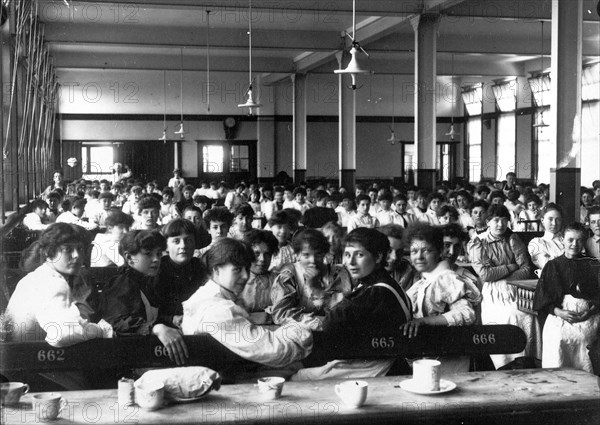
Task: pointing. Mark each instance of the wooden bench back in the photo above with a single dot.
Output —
(148, 352)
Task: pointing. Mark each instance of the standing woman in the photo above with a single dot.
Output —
(176, 183)
(550, 245)
(57, 183)
(441, 297)
(46, 304)
(498, 255)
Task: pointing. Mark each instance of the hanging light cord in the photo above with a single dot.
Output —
(208, 59)
(181, 88)
(165, 99)
(542, 73)
(250, 45)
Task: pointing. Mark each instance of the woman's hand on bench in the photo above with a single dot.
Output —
(173, 341)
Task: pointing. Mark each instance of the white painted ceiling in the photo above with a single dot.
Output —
(476, 37)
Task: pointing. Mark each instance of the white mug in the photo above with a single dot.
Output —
(352, 393)
(11, 392)
(426, 374)
(48, 406)
(150, 395)
(270, 387)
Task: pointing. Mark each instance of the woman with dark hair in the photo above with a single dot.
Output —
(129, 300)
(376, 302)
(550, 245)
(57, 183)
(181, 274)
(308, 288)
(441, 297)
(212, 309)
(567, 299)
(44, 304)
(498, 255)
(256, 296)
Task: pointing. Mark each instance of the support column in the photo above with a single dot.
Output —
(565, 106)
(265, 131)
(425, 27)
(299, 135)
(346, 132)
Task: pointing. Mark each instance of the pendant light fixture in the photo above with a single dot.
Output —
(540, 121)
(392, 138)
(354, 67)
(164, 134)
(250, 103)
(208, 59)
(452, 133)
(181, 130)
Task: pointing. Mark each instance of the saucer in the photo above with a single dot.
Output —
(411, 386)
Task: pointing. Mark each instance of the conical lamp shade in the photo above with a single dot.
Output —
(392, 138)
(452, 132)
(354, 67)
(250, 103)
(164, 136)
(540, 123)
(181, 131)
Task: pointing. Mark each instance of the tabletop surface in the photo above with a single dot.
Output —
(477, 394)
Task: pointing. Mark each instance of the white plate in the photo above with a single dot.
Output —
(410, 386)
(188, 400)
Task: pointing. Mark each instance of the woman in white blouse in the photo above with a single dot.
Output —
(441, 297)
(550, 245)
(46, 304)
(212, 309)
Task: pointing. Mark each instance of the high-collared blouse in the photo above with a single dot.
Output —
(545, 248)
(443, 292)
(490, 257)
(209, 311)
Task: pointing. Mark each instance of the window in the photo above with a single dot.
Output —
(540, 88)
(97, 161)
(240, 159)
(546, 152)
(590, 125)
(212, 158)
(473, 99)
(505, 145)
(474, 148)
(505, 93)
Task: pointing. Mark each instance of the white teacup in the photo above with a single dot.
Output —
(47, 406)
(426, 374)
(150, 395)
(352, 393)
(270, 387)
(11, 392)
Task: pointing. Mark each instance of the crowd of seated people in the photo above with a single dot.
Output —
(278, 263)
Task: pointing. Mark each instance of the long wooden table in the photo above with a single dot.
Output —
(536, 396)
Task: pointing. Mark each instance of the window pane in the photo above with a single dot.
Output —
(243, 151)
(409, 157)
(84, 159)
(212, 159)
(474, 148)
(472, 98)
(506, 95)
(101, 159)
(505, 146)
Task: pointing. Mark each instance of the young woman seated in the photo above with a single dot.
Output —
(181, 274)
(376, 302)
(129, 301)
(441, 297)
(46, 304)
(148, 212)
(242, 222)
(550, 245)
(567, 298)
(218, 222)
(36, 219)
(256, 296)
(307, 289)
(281, 225)
(105, 251)
(212, 309)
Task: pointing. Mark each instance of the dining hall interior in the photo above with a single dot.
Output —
(407, 94)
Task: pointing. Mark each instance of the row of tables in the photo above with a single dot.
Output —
(536, 396)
